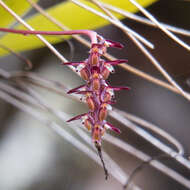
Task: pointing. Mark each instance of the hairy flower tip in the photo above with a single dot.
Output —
(116, 62)
(77, 117)
(111, 43)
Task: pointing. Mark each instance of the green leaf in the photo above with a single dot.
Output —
(20, 7)
(70, 15)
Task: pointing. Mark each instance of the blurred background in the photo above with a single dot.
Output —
(33, 157)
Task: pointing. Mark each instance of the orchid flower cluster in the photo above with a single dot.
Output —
(97, 92)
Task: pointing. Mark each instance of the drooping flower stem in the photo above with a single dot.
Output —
(97, 93)
(91, 34)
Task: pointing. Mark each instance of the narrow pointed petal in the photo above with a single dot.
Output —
(113, 128)
(116, 62)
(73, 63)
(74, 90)
(114, 44)
(119, 88)
(77, 117)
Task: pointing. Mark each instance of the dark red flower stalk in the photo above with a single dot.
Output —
(97, 93)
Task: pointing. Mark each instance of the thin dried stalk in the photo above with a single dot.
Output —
(22, 58)
(157, 143)
(144, 157)
(153, 128)
(156, 22)
(18, 94)
(144, 20)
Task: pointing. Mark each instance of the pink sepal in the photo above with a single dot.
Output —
(113, 128)
(77, 117)
(114, 44)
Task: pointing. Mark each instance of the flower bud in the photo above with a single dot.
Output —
(96, 84)
(96, 133)
(94, 59)
(102, 113)
(88, 124)
(107, 97)
(90, 103)
(105, 73)
(84, 73)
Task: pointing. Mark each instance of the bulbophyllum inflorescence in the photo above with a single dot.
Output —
(97, 93)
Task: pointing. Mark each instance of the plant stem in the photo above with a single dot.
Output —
(91, 34)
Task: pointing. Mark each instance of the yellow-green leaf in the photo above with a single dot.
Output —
(70, 15)
(18, 6)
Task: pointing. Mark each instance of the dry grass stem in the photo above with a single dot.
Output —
(156, 22)
(145, 20)
(22, 58)
(144, 157)
(153, 128)
(157, 143)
